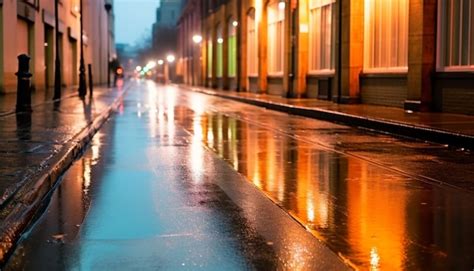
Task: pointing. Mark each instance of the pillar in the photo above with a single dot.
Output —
(352, 50)
(421, 54)
(302, 47)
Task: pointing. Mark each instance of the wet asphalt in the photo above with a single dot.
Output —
(181, 180)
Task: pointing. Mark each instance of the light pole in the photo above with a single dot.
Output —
(82, 69)
(161, 63)
(169, 60)
(57, 70)
(197, 39)
(108, 7)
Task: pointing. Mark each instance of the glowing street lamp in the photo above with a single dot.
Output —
(235, 23)
(138, 68)
(170, 58)
(160, 62)
(151, 64)
(197, 39)
(220, 40)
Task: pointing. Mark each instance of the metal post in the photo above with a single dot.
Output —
(237, 42)
(108, 7)
(82, 69)
(291, 76)
(339, 61)
(91, 82)
(193, 62)
(57, 71)
(23, 95)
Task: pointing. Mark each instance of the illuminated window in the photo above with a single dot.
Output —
(386, 36)
(321, 36)
(209, 57)
(276, 34)
(232, 49)
(220, 51)
(252, 49)
(456, 35)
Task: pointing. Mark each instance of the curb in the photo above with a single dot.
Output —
(21, 209)
(13, 111)
(396, 128)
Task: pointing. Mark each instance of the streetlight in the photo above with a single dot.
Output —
(108, 7)
(57, 73)
(197, 39)
(151, 64)
(170, 58)
(82, 69)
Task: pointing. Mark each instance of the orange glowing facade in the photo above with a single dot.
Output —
(402, 53)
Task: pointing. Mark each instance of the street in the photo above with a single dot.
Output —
(182, 180)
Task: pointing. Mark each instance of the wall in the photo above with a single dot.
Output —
(23, 30)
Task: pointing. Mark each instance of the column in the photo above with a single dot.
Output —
(421, 54)
(352, 51)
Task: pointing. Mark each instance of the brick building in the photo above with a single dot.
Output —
(414, 54)
(28, 27)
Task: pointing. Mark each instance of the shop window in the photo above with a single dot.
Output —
(252, 46)
(220, 52)
(456, 35)
(321, 36)
(386, 36)
(209, 58)
(276, 40)
(232, 47)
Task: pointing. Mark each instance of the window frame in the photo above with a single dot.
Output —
(252, 48)
(210, 58)
(231, 49)
(219, 51)
(313, 5)
(373, 44)
(440, 42)
(275, 69)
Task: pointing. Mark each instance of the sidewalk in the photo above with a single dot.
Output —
(36, 148)
(445, 128)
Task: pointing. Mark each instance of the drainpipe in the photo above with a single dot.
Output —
(237, 42)
(339, 61)
(291, 75)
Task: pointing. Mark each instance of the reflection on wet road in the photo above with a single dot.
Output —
(373, 215)
(147, 195)
(372, 199)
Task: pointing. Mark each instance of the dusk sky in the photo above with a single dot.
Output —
(133, 19)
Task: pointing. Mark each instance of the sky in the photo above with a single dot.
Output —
(133, 19)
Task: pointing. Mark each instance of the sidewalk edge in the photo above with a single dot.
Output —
(380, 125)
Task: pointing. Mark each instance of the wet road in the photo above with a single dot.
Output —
(148, 195)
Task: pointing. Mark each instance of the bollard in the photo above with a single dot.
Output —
(23, 95)
(91, 82)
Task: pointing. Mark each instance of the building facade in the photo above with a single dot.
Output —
(28, 27)
(164, 33)
(189, 51)
(413, 54)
